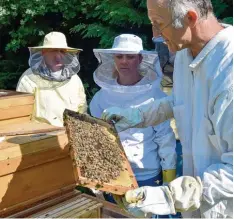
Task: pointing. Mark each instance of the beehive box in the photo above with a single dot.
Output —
(71, 204)
(36, 170)
(81, 206)
(32, 167)
(36, 176)
(15, 106)
(98, 156)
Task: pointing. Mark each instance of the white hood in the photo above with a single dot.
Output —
(149, 68)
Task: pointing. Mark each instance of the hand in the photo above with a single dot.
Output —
(182, 194)
(150, 200)
(123, 118)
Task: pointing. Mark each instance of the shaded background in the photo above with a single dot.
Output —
(87, 24)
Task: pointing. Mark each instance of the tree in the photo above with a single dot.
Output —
(87, 24)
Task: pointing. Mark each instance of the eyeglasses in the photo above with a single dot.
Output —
(156, 28)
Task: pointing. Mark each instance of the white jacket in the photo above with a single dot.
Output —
(51, 98)
(203, 94)
(148, 149)
(202, 104)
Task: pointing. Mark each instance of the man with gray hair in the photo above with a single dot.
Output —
(202, 105)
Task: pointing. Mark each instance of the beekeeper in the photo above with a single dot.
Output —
(201, 103)
(52, 78)
(127, 77)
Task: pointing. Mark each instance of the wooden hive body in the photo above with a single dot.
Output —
(15, 106)
(71, 204)
(32, 166)
(36, 170)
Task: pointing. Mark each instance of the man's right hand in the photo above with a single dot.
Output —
(182, 194)
(123, 118)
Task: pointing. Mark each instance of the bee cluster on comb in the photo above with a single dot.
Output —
(95, 147)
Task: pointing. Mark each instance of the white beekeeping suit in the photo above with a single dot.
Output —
(54, 91)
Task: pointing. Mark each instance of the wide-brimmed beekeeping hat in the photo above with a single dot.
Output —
(55, 40)
(126, 44)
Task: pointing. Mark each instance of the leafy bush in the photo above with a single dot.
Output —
(87, 24)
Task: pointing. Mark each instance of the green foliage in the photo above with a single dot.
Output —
(103, 19)
(9, 75)
(228, 20)
(96, 30)
(223, 10)
(109, 18)
(90, 91)
(219, 7)
(26, 21)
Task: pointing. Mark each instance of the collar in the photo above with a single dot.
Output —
(222, 35)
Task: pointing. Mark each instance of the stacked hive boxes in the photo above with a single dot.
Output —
(33, 167)
(36, 170)
(15, 107)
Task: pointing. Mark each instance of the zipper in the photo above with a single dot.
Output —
(192, 121)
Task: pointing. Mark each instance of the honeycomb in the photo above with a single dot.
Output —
(96, 147)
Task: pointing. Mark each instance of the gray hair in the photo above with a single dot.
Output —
(179, 9)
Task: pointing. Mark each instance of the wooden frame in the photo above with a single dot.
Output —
(32, 206)
(77, 206)
(126, 181)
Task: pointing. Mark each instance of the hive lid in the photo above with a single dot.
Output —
(97, 154)
(28, 127)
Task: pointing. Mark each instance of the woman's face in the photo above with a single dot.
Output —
(127, 64)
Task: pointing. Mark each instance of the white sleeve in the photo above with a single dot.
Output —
(94, 106)
(157, 111)
(24, 84)
(82, 108)
(165, 139)
(218, 178)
